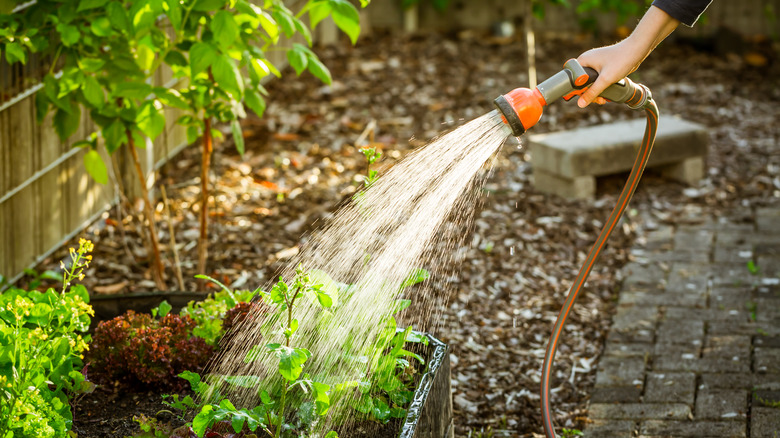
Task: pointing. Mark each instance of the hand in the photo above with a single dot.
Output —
(613, 64)
(619, 60)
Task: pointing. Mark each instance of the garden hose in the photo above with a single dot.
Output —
(521, 109)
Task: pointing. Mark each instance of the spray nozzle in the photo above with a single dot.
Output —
(522, 107)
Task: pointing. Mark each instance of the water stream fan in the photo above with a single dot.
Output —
(521, 109)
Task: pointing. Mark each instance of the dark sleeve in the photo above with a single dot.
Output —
(687, 11)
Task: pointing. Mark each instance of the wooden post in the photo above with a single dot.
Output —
(530, 43)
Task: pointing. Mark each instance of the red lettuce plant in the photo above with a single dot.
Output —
(139, 349)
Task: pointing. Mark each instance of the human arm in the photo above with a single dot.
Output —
(619, 60)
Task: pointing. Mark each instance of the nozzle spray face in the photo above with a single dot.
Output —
(521, 108)
(510, 116)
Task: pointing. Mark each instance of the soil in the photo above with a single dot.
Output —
(109, 412)
(302, 161)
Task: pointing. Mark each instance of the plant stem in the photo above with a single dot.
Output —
(281, 410)
(204, 193)
(177, 263)
(157, 266)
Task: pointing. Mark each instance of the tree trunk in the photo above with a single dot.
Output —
(204, 193)
(157, 265)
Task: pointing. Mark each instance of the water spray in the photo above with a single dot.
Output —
(521, 109)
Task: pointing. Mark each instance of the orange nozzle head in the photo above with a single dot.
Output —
(521, 108)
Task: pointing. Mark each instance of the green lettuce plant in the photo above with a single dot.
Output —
(41, 352)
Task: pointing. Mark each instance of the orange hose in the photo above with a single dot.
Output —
(651, 110)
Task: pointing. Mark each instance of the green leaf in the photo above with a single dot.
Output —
(247, 8)
(297, 60)
(262, 68)
(285, 22)
(319, 70)
(132, 90)
(101, 26)
(171, 97)
(255, 102)
(238, 136)
(417, 276)
(66, 123)
(93, 93)
(346, 17)
(321, 398)
(291, 362)
(269, 25)
(208, 5)
(144, 14)
(69, 35)
(203, 420)
(144, 56)
(238, 423)
(227, 76)
(303, 30)
(118, 17)
(91, 65)
(15, 52)
(95, 166)
(202, 55)
(115, 136)
(224, 28)
(174, 13)
(163, 309)
(90, 4)
(318, 12)
(175, 57)
(150, 120)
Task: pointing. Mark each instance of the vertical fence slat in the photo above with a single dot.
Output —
(23, 228)
(20, 129)
(5, 146)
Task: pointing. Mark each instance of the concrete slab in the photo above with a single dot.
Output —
(679, 151)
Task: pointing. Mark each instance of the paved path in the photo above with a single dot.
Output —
(694, 348)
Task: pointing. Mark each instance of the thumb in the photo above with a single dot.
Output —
(589, 95)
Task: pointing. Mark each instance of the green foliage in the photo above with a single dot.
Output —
(41, 353)
(111, 50)
(210, 313)
(388, 385)
(753, 267)
(570, 433)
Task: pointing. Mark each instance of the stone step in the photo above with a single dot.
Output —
(567, 163)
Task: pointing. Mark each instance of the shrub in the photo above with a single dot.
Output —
(41, 353)
(139, 349)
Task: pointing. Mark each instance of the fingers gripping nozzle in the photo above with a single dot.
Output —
(522, 107)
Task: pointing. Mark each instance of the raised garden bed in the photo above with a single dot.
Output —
(110, 409)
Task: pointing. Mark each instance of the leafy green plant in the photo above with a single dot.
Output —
(41, 353)
(36, 278)
(570, 433)
(753, 267)
(209, 314)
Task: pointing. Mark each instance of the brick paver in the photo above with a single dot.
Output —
(694, 347)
